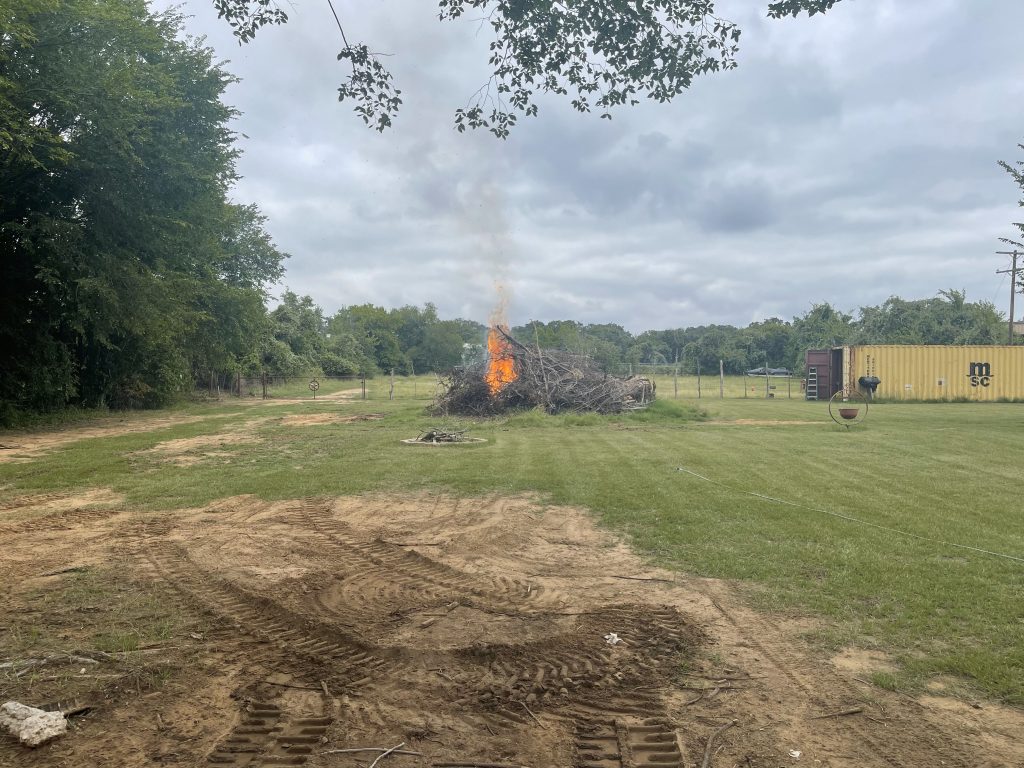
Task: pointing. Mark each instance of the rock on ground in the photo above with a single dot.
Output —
(31, 726)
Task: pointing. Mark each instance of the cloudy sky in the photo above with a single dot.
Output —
(849, 158)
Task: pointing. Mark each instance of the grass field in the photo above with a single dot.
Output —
(948, 473)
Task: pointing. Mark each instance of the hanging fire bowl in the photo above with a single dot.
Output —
(848, 407)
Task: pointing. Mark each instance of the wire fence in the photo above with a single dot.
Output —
(315, 386)
(425, 387)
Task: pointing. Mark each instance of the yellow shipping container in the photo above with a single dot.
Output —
(909, 372)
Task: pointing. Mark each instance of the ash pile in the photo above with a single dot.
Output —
(517, 377)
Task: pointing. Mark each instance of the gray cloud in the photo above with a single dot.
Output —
(848, 158)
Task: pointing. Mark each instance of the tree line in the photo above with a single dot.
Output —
(368, 339)
(946, 319)
(127, 268)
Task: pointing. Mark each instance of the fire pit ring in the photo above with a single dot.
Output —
(440, 443)
(443, 436)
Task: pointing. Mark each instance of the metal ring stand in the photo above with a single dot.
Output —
(848, 415)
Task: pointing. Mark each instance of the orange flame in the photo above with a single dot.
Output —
(501, 369)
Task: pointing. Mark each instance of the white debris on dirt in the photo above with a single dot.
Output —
(31, 726)
(612, 639)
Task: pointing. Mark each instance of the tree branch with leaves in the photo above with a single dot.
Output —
(601, 54)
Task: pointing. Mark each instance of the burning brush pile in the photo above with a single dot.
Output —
(517, 377)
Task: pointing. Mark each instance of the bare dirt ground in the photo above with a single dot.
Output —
(16, 447)
(473, 632)
(24, 447)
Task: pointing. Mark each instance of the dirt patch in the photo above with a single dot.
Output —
(316, 419)
(859, 661)
(57, 502)
(188, 451)
(999, 729)
(476, 631)
(342, 395)
(26, 447)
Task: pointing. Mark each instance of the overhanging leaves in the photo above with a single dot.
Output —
(600, 54)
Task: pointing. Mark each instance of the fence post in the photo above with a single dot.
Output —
(698, 378)
(364, 386)
(721, 380)
(675, 377)
(391, 391)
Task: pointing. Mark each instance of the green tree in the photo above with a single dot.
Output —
(120, 247)
(820, 327)
(299, 322)
(768, 341)
(440, 347)
(598, 54)
(947, 319)
(377, 332)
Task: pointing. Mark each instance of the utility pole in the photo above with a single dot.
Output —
(1013, 282)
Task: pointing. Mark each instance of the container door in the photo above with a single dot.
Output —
(818, 373)
(836, 372)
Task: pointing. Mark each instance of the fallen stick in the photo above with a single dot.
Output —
(523, 704)
(52, 678)
(597, 576)
(292, 685)
(371, 749)
(72, 569)
(898, 693)
(716, 687)
(721, 678)
(385, 753)
(694, 701)
(706, 763)
(23, 666)
(840, 713)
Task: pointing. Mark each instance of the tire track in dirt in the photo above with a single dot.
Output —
(626, 743)
(348, 662)
(564, 671)
(57, 521)
(456, 648)
(396, 576)
(805, 676)
(266, 735)
(30, 500)
(581, 679)
(259, 725)
(584, 682)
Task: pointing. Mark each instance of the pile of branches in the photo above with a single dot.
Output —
(553, 380)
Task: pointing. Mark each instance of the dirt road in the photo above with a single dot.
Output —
(488, 632)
